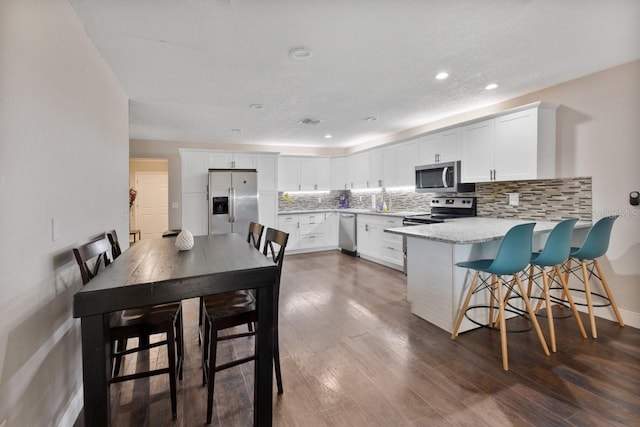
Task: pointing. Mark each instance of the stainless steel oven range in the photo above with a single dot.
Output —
(442, 209)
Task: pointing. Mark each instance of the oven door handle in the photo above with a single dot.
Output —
(444, 177)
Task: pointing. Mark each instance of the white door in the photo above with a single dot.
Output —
(152, 217)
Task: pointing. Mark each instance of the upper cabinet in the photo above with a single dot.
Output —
(303, 173)
(440, 147)
(358, 170)
(267, 167)
(229, 160)
(194, 171)
(408, 157)
(514, 146)
(338, 167)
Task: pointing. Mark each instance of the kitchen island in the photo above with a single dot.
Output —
(435, 285)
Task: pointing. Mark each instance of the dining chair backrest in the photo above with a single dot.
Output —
(514, 252)
(255, 234)
(597, 241)
(115, 245)
(558, 246)
(98, 250)
(274, 245)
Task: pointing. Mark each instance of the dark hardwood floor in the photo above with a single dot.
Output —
(354, 355)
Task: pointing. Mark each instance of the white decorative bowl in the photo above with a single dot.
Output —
(184, 240)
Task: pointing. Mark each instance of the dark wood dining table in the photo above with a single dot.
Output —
(154, 272)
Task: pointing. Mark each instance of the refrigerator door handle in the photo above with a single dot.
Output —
(230, 207)
(232, 200)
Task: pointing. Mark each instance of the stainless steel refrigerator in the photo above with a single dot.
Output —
(233, 200)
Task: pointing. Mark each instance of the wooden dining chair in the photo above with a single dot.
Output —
(255, 234)
(115, 245)
(137, 323)
(223, 311)
(254, 238)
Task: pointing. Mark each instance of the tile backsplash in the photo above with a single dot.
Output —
(550, 199)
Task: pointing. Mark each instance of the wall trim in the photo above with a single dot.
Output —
(76, 403)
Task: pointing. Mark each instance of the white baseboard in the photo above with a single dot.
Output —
(630, 318)
(73, 409)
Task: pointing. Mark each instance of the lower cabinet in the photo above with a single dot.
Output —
(309, 232)
(376, 245)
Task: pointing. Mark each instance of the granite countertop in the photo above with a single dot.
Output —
(472, 230)
(354, 211)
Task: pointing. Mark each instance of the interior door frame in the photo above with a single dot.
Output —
(136, 216)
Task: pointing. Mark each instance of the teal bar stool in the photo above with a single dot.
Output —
(595, 245)
(512, 258)
(554, 254)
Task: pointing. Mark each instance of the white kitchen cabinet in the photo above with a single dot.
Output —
(323, 173)
(376, 245)
(289, 224)
(332, 221)
(517, 145)
(408, 157)
(268, 209)
(440, 147)
(267, 166)
(312, 230)
(288, 173)
(376, 168)
(477, 152)
(304, 173)
(358, 170)
(194, 171)
(338, 168)
(194, 213)
(390, 166)
(231, 160)
(309, 231)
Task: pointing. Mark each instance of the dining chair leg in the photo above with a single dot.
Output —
(211, 380)
(472, 288)
(118, 346)
(276, 360)
(530, 281)
(179, 324)
(205, 349)
(607, 291)
(171, 357)
(200, 320)
(547, 298)
(574, 310)
(503, 327)
(534, 321)
(587, 291)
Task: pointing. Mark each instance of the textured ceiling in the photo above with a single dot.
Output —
(192, 68)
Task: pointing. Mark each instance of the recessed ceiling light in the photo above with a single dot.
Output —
(327, 136)
(256, 106)
(441, 76)
(300, 53)
(371, 119)
(236, 130)
(491, 86)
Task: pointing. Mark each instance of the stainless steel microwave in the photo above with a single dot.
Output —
(441, 178)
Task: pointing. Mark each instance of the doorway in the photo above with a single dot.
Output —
(150, 211)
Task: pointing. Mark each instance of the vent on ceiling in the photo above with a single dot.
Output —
(308, 121)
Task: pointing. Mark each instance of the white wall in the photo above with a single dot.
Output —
(64, 154)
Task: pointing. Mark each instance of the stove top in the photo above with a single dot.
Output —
(443, 208)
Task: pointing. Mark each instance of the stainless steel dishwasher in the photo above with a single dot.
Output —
(347, 233)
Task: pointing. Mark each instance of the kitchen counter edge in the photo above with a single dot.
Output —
(473, 230)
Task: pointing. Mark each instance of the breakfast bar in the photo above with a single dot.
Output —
(435, 285)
